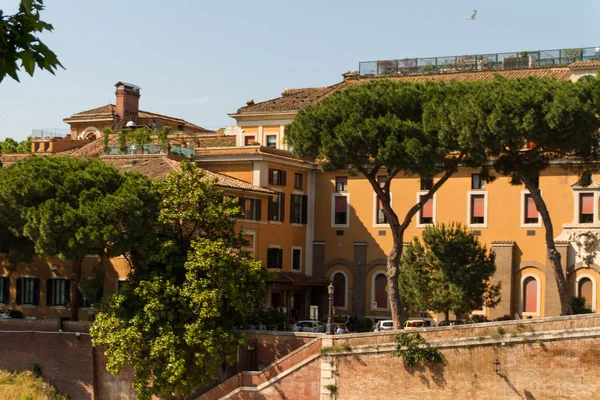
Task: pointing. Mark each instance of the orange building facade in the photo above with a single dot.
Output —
(310, 227)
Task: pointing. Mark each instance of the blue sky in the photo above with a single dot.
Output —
(200, 59)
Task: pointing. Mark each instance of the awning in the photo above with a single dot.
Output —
(296, 279)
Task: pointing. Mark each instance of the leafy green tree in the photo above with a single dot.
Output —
(526, 125)
(449, 271)
(191, 286)
(9, 146)
(71, 207)
(20, 41)
(377, 129)
(24, 146)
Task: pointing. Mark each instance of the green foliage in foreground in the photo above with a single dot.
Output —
(20, 41)
(26, 386)
(449, 271)
(192, 285)
(413, 349)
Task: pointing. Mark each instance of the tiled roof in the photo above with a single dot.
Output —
(583, 64)
(108, 112)
(8, 159)
(297, 99)
(245, 151)
(296, 278)
(160, 166)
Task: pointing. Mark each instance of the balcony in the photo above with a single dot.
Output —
(478, 62)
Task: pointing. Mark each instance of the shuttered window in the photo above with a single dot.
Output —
(339, 294)
(277, 177)
(28, 291)
(341, 210)
(426, 216)
(477, 209)
(381, 296)
(4, 290)
(277, 207)
(531, 212)
(586, 208)
(530, 290)
(298, 208)
(58, 292)
(251, 208)
(274, 258)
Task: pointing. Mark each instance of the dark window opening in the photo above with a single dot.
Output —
(297, 181)
(274, 258)
(341, 183)
(477, 182)
(296, 258)
(341, 210)
(426, 182)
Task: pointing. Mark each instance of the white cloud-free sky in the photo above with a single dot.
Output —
(200, 59)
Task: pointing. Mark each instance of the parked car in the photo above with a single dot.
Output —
(386, 325)
(308, 326)
(10, 314)
(338, 325)
(451, 322)
(417, 323)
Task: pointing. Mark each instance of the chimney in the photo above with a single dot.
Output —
(128, 100)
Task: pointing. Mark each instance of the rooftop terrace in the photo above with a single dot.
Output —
(478, 62)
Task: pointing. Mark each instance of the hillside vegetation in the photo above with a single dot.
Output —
(26, 386)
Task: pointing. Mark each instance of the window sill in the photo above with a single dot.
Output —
(27, 305)
(298, 225)
(276, 222)
(251, 221)
(478, 226)
(57, 307)
(381, 226)
(380, 309)
(530, 314)
(529, 226)
(340, 226)
(423, 226)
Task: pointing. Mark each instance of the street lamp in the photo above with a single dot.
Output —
(497, 367)
(329, 327)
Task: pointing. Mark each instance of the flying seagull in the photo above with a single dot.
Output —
(473, 15)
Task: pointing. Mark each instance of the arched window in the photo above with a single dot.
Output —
(530, 295)
(586, 290)
(339, 295)
(380, 295)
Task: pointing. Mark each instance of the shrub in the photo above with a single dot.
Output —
(505, 317)
(578, 305)
(364, 325)
(413, 349)
(500, 330)
(479, 318)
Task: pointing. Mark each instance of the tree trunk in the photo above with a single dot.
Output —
(447, 315)
(553, 254)
(399, 314)
(75, 278)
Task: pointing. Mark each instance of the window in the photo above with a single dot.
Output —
(272, 141)
(379, 292)
(248, 140)
(249, 238)
(297, 181)
(426, 213)
(251, 208)
(4, 290)
(477, 205)
(87, 303)
(180, 127)
(341, 183)
(426, 182)
(296, 258)
(298, 209)
(477, 182)
(586, 208)
(530, 295)
(58, 292)
(586, 290)
(274, 258)
(380, 217)
(339, 294)
(277, 207)
(28, 291)
(340, 214)
(277, 177)
(531, 212)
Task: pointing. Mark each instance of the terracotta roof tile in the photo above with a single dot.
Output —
(296, 99)
(160, 166)
(8, 159)
(583, 64)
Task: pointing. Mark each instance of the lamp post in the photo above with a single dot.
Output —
(330, 290)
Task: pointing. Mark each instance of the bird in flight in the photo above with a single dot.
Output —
(473, 15)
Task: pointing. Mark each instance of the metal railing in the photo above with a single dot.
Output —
(478, 62)
(115, 150)
(49, 133)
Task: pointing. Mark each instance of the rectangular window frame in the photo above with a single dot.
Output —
(522, 220)
(576, 204)
(277, 177)
(594, 207)
(347, 196)
(376, 224)
(295, 249)
(276, 209)
(298, 180)
(280, 252)
(255, 208)
(33, 299)
(57, 288)
(434, 218)
(470, 195)
(298, 211)
(341, 184)
(247, 143)
(477, 183)
(272, 145)
(4, 289)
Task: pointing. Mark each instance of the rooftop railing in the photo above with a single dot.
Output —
(49, 133)
(115, 150)
(478, 62)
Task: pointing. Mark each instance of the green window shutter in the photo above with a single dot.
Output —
(49, 292)
(257, 210)
(304, 209)
(36, 291)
